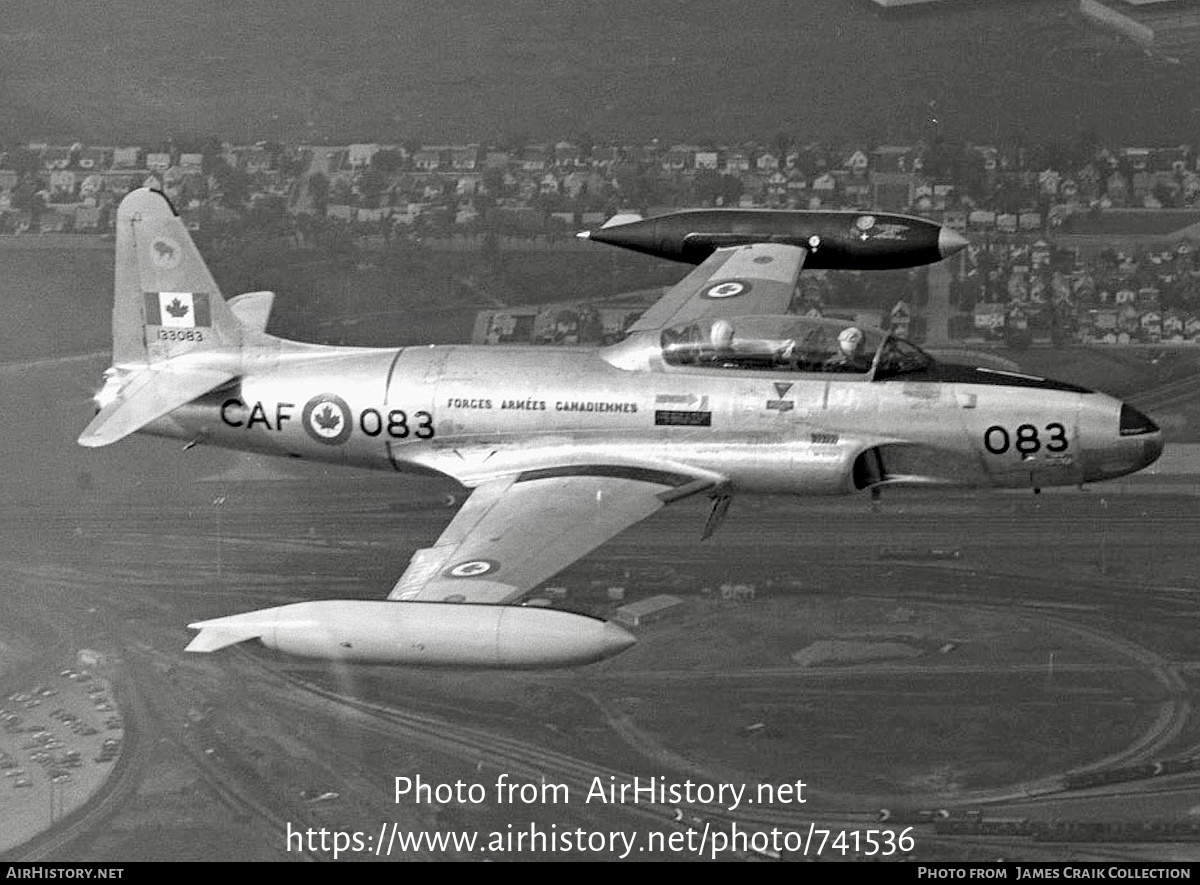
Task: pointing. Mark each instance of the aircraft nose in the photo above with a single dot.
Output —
(1135, 424)
(1119, 440)
(950, 241)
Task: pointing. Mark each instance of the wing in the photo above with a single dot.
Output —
(737, 281)
(513, 533)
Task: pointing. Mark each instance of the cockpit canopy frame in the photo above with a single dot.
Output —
(794, 344)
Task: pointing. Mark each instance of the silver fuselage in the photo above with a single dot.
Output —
(475, 413)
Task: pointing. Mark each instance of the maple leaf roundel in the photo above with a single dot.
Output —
(727, 289)
(327, 419)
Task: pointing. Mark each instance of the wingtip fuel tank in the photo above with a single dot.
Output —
(421, 633)
(835, 240)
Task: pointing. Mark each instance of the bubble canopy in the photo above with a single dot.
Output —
(792, 344)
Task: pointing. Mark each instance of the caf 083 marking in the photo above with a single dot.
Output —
(715, 390)
(371, 422)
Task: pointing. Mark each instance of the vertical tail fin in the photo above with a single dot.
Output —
(174, 337)
(166, 301)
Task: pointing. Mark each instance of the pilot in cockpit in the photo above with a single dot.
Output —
(850, 355)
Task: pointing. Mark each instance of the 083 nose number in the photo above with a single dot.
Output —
(1025, 439)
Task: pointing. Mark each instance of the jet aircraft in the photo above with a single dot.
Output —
(715, 391)
(831, 239)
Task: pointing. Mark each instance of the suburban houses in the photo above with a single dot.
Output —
(1082, 242)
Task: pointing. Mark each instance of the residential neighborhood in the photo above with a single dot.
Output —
(1070, 243)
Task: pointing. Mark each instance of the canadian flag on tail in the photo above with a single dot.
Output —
(178, 309)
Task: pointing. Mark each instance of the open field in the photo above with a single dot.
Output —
(123, 70)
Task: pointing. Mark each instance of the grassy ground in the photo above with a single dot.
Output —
(1123, 371)
(1130, 223)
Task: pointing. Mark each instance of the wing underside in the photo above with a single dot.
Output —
(514, 533)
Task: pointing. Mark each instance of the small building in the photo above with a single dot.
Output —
(158, 161)
(126, 157)
(646, 610)
(533, 158)
(191, 163)
(737, 592)
(857, 163)
(426, 160)
(955, 219)
(990, 316)
(63, 181)
(981, 218)
(1151, 326)
(465, 157)
(824, 184)
(359, 155)
(567, 155)
(1172, 325)
(737, 162)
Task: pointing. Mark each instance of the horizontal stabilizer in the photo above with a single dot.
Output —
(148, 396)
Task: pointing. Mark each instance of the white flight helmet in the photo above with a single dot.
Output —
(850, 340)
(721, 334)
